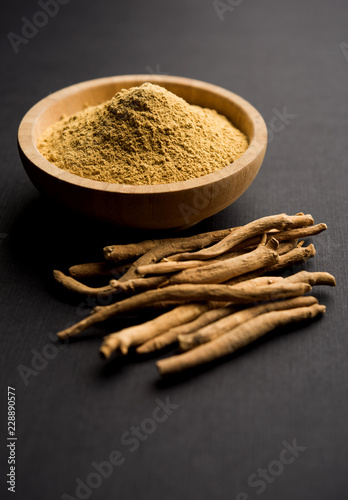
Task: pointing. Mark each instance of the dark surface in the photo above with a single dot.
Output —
(233, 417)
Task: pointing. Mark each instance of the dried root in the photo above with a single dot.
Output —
(286, 246)
(137, 285)
(172, 335)
(296, 256)
(211, 332)
(290, 234)
(118, 253)
(173, 323)
(243, 233)
(312, 278)
(216, 284)
(221, 271)
(139, 334)
(97, 269)
(237, 338)
(75, 286)
(169, 267)
(189, 293)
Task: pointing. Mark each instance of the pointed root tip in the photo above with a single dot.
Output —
(110, 345)
(143, 349)
(57, 275)
(72, 272)
(321, 309)
(326, 279)
(331, 280)
(123, 349)
(159, 368)
(105, 351)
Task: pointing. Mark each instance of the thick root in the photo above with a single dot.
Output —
(239, 337)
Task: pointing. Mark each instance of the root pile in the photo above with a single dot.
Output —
(213, 293)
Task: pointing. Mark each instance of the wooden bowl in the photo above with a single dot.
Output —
(163, 206)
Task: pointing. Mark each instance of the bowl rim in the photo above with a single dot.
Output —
(28, 145)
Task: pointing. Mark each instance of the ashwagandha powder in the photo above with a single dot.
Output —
(143, 135)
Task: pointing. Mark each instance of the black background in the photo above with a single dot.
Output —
(233, 417)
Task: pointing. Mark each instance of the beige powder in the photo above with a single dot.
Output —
(143, 135)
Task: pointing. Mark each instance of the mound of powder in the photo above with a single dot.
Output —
(143, 135)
